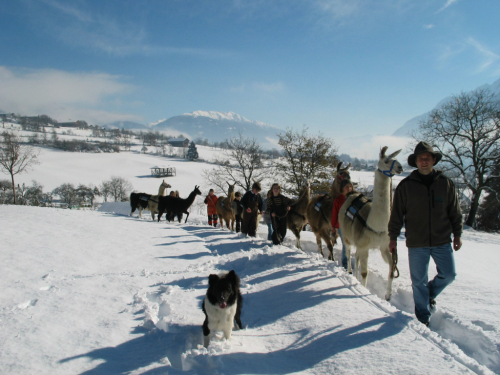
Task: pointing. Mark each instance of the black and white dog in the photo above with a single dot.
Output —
(222, 305)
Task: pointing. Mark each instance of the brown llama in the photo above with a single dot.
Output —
(225, 210)
(319, 212)
(296, 219)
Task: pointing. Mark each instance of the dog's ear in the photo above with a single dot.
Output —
(212, 279)
(233, 276)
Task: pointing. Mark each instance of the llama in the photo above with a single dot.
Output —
(143, 201)
(177, 206)
(225, 210)
(319, 211)
(365, 225)
(296, 219)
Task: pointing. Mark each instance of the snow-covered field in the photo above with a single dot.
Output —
(100, 292)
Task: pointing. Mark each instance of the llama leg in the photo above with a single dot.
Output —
(326, 238)
(140, 213)
(386, 254)
(348, 255)
(364, 267)
(320, 245)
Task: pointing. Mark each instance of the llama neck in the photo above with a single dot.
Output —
(303, 202)
(229, 200)
(190, 198)
(335, 189)
(378, 218)
(161, 190)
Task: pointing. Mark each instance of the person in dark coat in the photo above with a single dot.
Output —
(252, 208)
(238, 210)
(278, 206)
(426, 203)
(267, 217)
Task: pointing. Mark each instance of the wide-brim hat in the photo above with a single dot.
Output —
(421, 148)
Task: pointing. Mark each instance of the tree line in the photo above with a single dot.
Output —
(117, 189)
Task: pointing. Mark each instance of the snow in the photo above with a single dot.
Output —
(100, 292)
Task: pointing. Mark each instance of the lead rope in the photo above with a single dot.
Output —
(395, 253)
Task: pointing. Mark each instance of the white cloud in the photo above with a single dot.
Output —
(260, 88)
(448, 3)
(488, 58)
(368, 147)
(62, 95)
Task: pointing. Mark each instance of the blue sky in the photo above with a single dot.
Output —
(341, 67)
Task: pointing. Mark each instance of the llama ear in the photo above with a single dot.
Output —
(394, 154)
(212, 279)
(339, 165)
(348, 166)
(382, 152)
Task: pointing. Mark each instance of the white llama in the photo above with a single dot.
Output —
(365, 227)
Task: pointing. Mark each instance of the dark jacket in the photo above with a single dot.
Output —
(250, 198)
(430, 214)
(278, 205)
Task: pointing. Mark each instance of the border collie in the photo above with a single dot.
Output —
(222, 305)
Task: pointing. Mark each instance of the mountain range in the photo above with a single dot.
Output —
(211, 125)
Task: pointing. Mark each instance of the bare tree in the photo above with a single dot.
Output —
(120, 189)
(466, 130)
(15, 157)
(306, 157)
(242, 163)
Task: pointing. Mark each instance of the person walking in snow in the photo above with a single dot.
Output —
(267, 216)
(211, 201)
(278, 206)
(238, 210)
(426, 202)
(252, 208)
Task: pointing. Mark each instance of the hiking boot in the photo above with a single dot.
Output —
(432, 305)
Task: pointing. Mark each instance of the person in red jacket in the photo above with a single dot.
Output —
(346, 187)
(211, 201)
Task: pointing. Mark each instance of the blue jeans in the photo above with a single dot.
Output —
(344, 257)
(423, 290)
(270, 231)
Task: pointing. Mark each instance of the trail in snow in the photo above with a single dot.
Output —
(455, 338)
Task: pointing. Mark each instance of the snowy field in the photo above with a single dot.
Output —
(100, 292)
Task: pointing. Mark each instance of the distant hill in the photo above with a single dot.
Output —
(413, 123)
(218, 126)
(127, 125)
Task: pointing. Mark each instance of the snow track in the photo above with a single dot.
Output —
(257, 260)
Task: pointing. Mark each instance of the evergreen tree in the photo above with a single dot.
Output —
(192, 153)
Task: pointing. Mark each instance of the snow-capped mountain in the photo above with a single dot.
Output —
(413, 123)
(218, 126)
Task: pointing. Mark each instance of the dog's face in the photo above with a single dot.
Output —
(223, 291)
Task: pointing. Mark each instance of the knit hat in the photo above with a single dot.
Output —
(256, 186)
(421, 148)
(344, 183)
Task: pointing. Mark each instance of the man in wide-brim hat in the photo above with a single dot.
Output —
(426, 203)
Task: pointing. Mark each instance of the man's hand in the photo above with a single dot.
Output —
(249, 210)
(273, 214)
(288, 208)
(457, 243)
(393, 246)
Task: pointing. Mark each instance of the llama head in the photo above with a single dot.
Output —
(230, 191)
(387, 164)
(197, 190)
(343, 173)
(165, 185)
